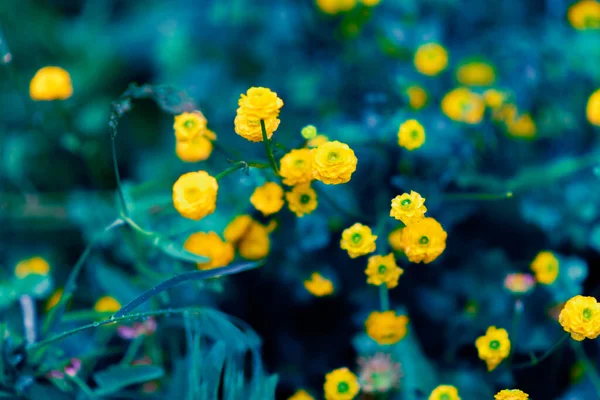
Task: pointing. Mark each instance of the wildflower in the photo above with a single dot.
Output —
(54, 299)
(268, 198)
(493, 347)
(237, 228)
(341, 384)
(261, 103)
(386, 327)
(302, 199)
(581, 317)
(395, 239)
(301, 395)
(493, 98)
(248, 126)
(146, 328)
(107, 304)
(424, 241)
(51, 83)
(383, 269)
(335, 6)
(195, 195)
(32, 266)
(358, 240)
(411, 135)
(431, 59)
(189, 125)
(476, 73)
(417, 97)
(379, 373)
(296, 167)
(212, 246)
(444, 392)
(318, 285)
(519, 283)
(333, 163)
(309, 132)
(408, 208)
(523, 126)
(197, 149)
(71, 369)
(317, 140)
(593, 108)
(546, 267)
(511, 394)
(463, 105)
(255, 243)
(585, 14)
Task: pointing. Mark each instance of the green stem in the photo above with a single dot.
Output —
(588, 366)
(477, 196)
(517, 311)
(268, 149)
(537, 360)
(384, 297)
(132, 350)
(118, 176)
(82, 385)
(233, 168)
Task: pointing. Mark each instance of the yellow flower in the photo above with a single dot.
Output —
(546, 267)
(417, 97)
(302, 199)
(511, 394)
(341, 384)
(32, 266)
(54, 299)
(424, 241)
(301, 395)
(260, 103)
(268, 198)
(493, 347)
(370, 3)
(431, 59)
(395, 239)
(476, 73)
(309, 132)
(318, 285)
(507, 112)
(444, 392)
(581, 317)
(296, 167)
(493, 98)
(189, 125)
(386, 327)
(255, 244)
(194, 150)
(523, 126)
(585, 14)
(317, 140)
(107, 304)
(463, 105)
(358, 240)
(383, 269)
(248, 126)
(411, 134)
(212, 246)
(593, 108)
(51, 83)
(195, 195)
(408, 208)
(333, 163)
(335, 6)
(238, 228)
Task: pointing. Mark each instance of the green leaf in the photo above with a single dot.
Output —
(34, 285)
(212, 367)
(115, 378)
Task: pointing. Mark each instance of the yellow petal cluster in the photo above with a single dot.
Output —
(210, 245)
(317, 140)
(444, 392)
(386, 327)
(296, 167)
(318, 285)
(493, 347)
(268, 198)
(463, 105)
(107, 304)
(358, 240)
(195, 195)
(585, 14)
(51, 83)
(333, 163)
(248, 127)
(431, 59)
(476, 73)
(546, 267)
(383, 269)
(257, 104)
(32, 266)
(250, 237)
(581, 317)
(408, 208)
(411, 134)
(593, 108)
(511, 394)
(189, 125)
(341, 384)
(302, 199)
(424, 241)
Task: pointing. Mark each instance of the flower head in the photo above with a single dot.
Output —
(32, 266)
(593, 108)
(386, 327)
(341, 384)
(493, 347)
(107, 304)
(424, 241)
(146, 328)
(463, 105)
(395, 239)
(476, 73)
(358, 240)
(494, 98)
(255, 244)
(301, 394)
(519, 283)
(302, 199)
(237, 228)
(51, 83)
(444, 392)
(581, 317)
(511, 394)
(585, 14)
(268, 198)
(261, 103)
(189, 125)
(309, 132)
(317, 140)
(248, 126)
(212, 246)
(296, 167)
(417, 97)
(195, 195)
(318, 285)
(431, 59)
(411, 135)
(333, 163)
(408, 208)
(194, 150)
(383, 269)
(546, 267)
(379, 373)
(521, 126)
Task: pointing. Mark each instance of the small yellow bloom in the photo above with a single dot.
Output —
(107, 304)
(189, 125)
(335, 6)
(463, 105)
(358, 240)
(51, 83)
(431, 59)
(268, 198)
(424, 241)
(309, 132)
(523, 126)
(54, 299)
(444, 392)
(296, 167)
(333, 163)
(476, 73)
(411, 134)
(212, 246)
(417, 97)
(395, 239)
(546, 267)
(593, 108)
(248, 126)
(317, 140)
(341, 384)
(383, 269)
(386, 327)
(511, 394)
(301, 395)
(195, 195)
(255, 244)
(581, 317)
(493, 347)
(32, 266)
(238, 228)
(408, 208)
(585, 14)
(302, 199)
(194, 150)
(261, 103)
(318, 285)
(494, 98)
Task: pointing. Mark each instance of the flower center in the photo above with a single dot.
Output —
(191, 194)
(414, 134)
(343, 387)
(382, 269)
(356, 238)
(587, 314)
(299, 163)
(494, 345)
(190, 123)
(405, 202)
(333, 156)
(550, 267)
(424, 240)
(444, 396)
(304, 199)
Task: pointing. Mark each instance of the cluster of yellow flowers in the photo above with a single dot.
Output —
(493, 347)
(338, 6)
(194, 141)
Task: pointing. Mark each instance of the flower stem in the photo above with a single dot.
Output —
(588, 366)
(537, 360)
(132, 350)
(82, 385)
(233, 168)
(268, 149)
(384, 298)
(477, 196)
(118, 176)
(517, 311)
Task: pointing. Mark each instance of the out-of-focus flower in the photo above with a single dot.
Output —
(51, 83)
(431, 59)
(494, 98)
(386, 327)
(268, 198)
(358, 240)
(546, 267)
(318, 285)
(255, 244)
(370, 3)
(301, 394)
(408, 208)
(317, 140)
(424, 241)
(146, 328)
(197, 149)
(309, 132)
(107, 304)
(519, 283)
(302, 199)
(237, 228)
(411, 134)
(260, 103)
(511, 394)
(335, 6)
(296, 167)
(333, 163)
(463, 105)
(395, 239)
(585, 14)
(378, 373)
(212, 246)
(383, 269)
(195, 195)
(341, 384)
(444, 392)
(54, 299)
(476, 73)
(493, 347)
(248, 126)
(71, 369)
(32, 266)
(417, 97)
(593, 108)
(581, 317)
(522, 126)
(189, 125)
